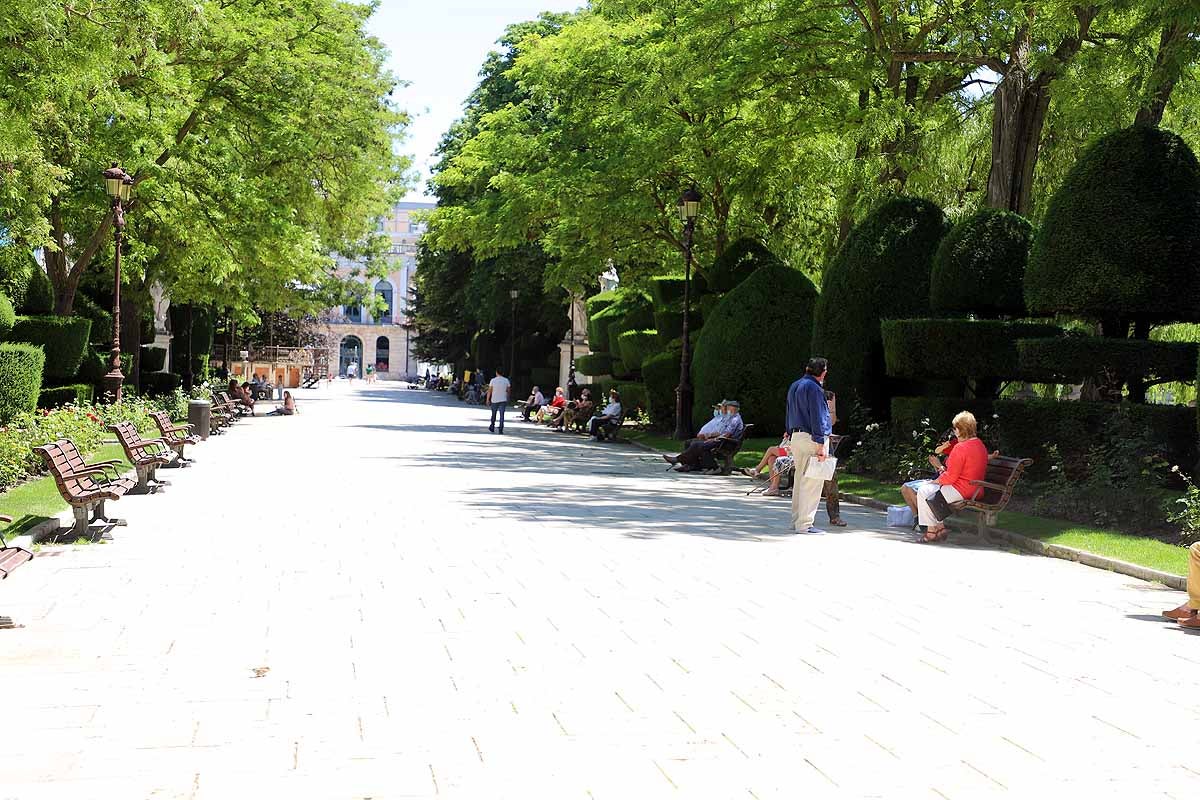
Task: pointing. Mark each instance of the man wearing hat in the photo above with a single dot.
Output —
(728, 425)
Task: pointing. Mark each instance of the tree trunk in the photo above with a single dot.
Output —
(1018, 117)
(1157, 88)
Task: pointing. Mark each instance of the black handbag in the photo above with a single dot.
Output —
(938, 506)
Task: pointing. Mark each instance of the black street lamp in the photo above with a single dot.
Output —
(512, 347)
(120, 188)
(571, 366)
(689, 207)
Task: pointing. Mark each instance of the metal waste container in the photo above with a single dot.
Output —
(200, 417)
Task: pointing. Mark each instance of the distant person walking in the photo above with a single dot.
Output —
(809, 426)
(497, 397)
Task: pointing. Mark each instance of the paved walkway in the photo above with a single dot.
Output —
(379, 599)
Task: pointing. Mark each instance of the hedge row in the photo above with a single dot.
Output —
(636, 347)
(660, 376)
(1074, 358)
(20, 379)
(961, 348)
(78, 393)
(597, 303)
(633, 396)
(63, 339)
(102, 320)
(595, 364)
(160, 383)
(669, 325)
(8, 317)
(666, 291)
(154, 359)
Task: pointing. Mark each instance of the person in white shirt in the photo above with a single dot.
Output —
(535, 402)
(497, 398)
(607, 417)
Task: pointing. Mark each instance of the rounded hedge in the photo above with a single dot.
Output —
(754, 346)
(738, 262)
(78, 393)
(598, 302)
(1076, 358)
(980, 266)
(660, 376)
(20, 379)
(8, 317)
(881, 271)
(154, 359)
(669, 325)
(959, 348)
(630, 310)
(1121, 236)
(637, 346)
(666, 292)
(64, 340)
(595, 364)
(160, 383)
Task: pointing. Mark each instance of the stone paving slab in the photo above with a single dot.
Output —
(377, 598)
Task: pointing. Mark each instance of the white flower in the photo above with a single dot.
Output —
(995, 416)
(925, 421)
(1054, 468)
(1175, 468)
(915, 434)
(858, 443)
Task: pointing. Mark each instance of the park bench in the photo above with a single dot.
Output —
(222, 412)
(728, 447)
(610, 431)
(312, 381)
(146, 455)
(175, 436)
(85, 487)
(996, 489)
(12, 556)
(787, 479)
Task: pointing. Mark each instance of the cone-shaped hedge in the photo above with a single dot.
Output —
(8, 317)
(20, 379)
(882, 271)
(1121, 236)
(754, 345)
(979, 267)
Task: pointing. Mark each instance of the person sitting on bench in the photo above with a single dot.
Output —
(698, 453)
(534, 403)
(968, 461)
(607, 417)
(551, 411)
(576, 410)
(239, 395)
(1187, 614)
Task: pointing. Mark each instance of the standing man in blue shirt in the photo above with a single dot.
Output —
(809, 426)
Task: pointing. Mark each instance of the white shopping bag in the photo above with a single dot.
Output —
(820, 470)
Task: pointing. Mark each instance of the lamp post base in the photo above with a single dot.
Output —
(683, 411)
(112, 385)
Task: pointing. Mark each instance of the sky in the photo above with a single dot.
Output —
(438, 46)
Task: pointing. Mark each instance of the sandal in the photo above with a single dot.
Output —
(771, 493)
(933, 535)
(1190, 622)
(749, 473)
(838, 521)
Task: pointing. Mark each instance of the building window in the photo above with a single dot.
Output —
(354, 313)
(384, 290)
(381, 354)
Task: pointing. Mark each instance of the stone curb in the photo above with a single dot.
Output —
(1029, 545)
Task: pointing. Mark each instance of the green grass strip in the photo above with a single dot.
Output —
(34, 502)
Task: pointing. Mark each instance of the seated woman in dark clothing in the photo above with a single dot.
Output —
(575, 411)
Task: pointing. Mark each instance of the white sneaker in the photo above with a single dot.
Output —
(814, 529)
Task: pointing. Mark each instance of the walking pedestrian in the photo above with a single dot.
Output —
(497, 398)
(809, 426)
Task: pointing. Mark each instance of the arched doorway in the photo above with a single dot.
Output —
(384, 290)
(351, 352)
(381, 354)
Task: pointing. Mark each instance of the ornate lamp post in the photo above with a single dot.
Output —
(689, 207)
(120, 189)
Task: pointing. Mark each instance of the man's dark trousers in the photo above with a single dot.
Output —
(497, 408)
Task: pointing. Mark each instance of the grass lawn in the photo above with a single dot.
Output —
(32, 503)
(750, 454)
(1143, 550)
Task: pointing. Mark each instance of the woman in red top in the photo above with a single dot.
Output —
(967, 462)
(553, 410)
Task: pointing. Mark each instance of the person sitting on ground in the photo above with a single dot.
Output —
(698, 453)
(553, 410)
(534, 403)
(967, 461)
(607, 417)
(287, 408)
(575, 410)
(1188, 614)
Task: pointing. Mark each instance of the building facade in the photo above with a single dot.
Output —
(360, 338)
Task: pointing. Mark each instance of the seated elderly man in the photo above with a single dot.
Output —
(698, 452)
(604, 422)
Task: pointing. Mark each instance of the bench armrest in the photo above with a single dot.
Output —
(177, 428)
(5, 518)
(1000, 487)
(86, 471)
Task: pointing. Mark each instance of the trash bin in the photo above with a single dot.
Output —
(200, 417)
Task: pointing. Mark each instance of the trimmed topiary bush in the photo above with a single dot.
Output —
(8, 317)
(598, 302)
(979, 267)
(154, 359)
(882, 271)
(1121, 236)
(666, 292)
(909, 414)
(633, 396)
(24, 281)
(102, 320)
(960, 348)
(636, 347)
(669, 325)
(78, 393)
(660, 376)
(595, 364)
(39, 296)
(736, 263)
(64, 340)
(157, 384)
(630, 311)
(1073, 358)
(740, 354)
(202, 342)
(20, 379)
